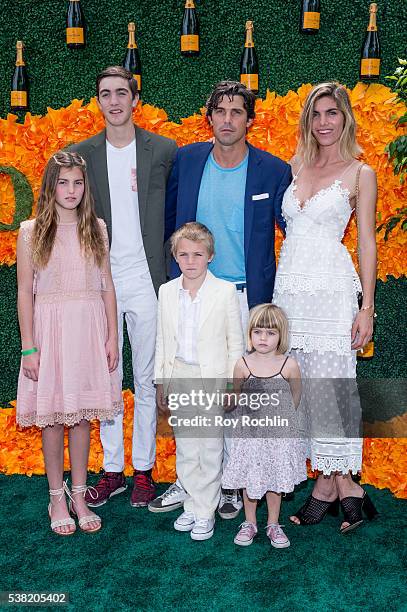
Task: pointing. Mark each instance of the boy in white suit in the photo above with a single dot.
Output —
(199, 336)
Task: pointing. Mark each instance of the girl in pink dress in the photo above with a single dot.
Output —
(68, 326)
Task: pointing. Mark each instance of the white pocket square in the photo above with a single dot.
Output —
(260, 196)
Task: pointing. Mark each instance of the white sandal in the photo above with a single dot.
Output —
(84, 520)
(60, 522)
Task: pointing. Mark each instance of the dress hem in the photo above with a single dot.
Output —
(60, 418)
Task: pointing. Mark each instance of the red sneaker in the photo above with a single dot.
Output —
(111, 483)
(143, 489)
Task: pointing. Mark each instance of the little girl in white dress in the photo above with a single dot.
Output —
(266, 455)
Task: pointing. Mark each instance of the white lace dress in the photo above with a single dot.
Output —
(316, 285)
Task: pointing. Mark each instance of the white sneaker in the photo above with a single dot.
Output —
(230, 503)
(203, 529)
(185, 521)
(172, 499)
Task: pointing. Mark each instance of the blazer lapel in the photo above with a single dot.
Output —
(173, 304)
(98, 162)
(144, 154)
(253, 182)
(206, 303)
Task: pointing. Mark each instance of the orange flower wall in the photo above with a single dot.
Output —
(384, 459)
(27, 147)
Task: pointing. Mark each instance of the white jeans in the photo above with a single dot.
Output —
(137, 305)
(244, 313)
(199, 459)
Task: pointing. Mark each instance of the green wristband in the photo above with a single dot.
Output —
(29, 351)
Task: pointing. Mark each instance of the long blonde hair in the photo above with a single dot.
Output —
(307, 144)
(45, 228)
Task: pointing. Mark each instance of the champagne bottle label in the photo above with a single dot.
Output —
(18, 98)
(74, 36)
(250, 80)
(370, 66)
(137, 77)
(190, 4)
(311, 20)
(190, 42)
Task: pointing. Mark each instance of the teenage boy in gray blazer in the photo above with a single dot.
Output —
(128, 169)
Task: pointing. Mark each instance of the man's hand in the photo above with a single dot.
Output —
(161, 400)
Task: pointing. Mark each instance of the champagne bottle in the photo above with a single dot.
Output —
(367, 352)
(19, 84)
(370, 56)
(190, 30)
(132, 58)
(75, 25)
(249, 65)
(310, 16)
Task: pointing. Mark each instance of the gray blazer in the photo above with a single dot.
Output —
(155, 155)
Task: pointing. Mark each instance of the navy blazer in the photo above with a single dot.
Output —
(267, 176)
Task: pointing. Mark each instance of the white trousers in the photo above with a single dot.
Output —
(244, 313)
(137, 306)
(199, 459)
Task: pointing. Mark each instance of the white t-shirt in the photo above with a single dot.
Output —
(127, 255)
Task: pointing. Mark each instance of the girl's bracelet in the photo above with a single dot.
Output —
(29, 351)
(373, 315)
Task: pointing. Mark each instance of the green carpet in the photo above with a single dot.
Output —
(138, 561)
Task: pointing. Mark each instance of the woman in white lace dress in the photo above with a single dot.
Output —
(317, 286)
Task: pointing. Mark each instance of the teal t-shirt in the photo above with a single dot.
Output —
(221, 209)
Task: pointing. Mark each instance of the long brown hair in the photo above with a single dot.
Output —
(89, 230)
(307, 145)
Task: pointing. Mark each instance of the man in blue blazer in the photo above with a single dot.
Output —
(205, 181)
(235, 190)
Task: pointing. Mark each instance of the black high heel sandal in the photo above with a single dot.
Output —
(314, 510)
(353, 507)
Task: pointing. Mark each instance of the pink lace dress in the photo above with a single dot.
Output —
(70, 331)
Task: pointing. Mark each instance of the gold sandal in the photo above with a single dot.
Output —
(89, 518)
(60, 522)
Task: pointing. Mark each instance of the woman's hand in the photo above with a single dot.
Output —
(31, 364)
(112, 354)
(362, 329)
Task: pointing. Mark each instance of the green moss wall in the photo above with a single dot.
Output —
(178, 84)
